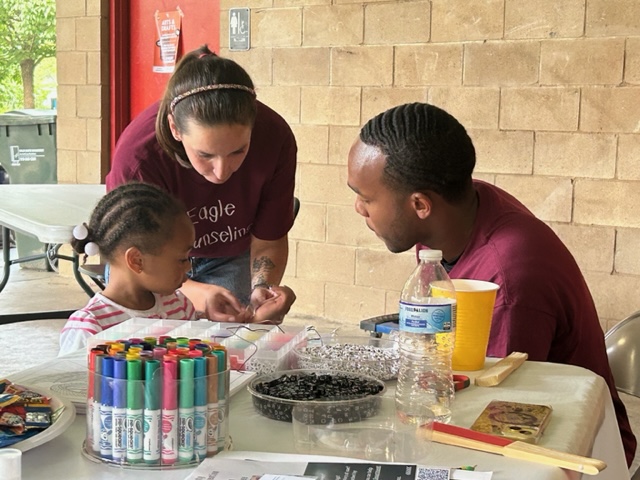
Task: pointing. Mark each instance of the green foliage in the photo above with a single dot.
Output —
(27, 31)
(10, 88)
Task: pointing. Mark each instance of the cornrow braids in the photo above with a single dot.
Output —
(200, 71)
(133, 214)
(426, 149)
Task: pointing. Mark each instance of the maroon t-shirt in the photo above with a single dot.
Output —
(256, 200)
(543, 306)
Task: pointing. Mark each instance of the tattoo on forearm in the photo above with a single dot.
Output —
(261, 268)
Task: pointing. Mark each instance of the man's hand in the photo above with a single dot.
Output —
(270, 305)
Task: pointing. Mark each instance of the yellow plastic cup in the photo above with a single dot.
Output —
(475, 301)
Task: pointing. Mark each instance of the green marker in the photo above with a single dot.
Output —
(152, 412)
(135, 404)
(186, 410)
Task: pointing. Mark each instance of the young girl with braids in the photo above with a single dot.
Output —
(231, 160)
(146, 236)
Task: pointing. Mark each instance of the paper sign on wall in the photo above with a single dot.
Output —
(165, 52)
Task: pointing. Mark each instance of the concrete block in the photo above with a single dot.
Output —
(500, 151)
(428, 64)
(610, 109)
(543, 19)
(330, 106)
(333, 25)
(575, 155)
(539, 109)
(466, 20)
(549, 198)
(474, 107)
(582, 61)
(362, 66)
(606, 202)
(327, 263)
(501, 63)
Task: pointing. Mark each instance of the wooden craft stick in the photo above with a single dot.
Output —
(495, 374)
(463, 437)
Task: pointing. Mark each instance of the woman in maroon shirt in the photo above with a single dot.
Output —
(231, 160)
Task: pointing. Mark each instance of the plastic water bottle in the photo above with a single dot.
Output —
(426, 338)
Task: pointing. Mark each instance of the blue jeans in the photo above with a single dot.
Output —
(232, 273)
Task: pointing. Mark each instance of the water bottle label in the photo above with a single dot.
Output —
(432, 318)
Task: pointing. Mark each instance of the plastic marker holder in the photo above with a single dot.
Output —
(150, 408)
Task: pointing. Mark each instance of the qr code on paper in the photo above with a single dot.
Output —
(424, 473)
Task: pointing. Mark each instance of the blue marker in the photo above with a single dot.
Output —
(152, 412)
(200, 408)
(119, 413)
(135, 403)
(106, 408)
(97, 399)
(185, 410)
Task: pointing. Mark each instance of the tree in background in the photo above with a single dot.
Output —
(27, 36)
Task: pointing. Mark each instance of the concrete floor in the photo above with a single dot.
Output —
(23, 345)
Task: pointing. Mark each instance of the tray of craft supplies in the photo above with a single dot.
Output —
(251, 347)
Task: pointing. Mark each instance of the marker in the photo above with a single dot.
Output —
(134, 411)
(200, 408)
(97, 398)
(212, 404)
(185, 411)
(91, 399)
(106, 408)
(152, 411)
(119, 412)
(159, 352)
(223, 424)
(169, 453)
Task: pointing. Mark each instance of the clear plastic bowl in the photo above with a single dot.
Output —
(352, 405)
(382, 437)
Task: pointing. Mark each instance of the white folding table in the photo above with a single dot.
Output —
(49, 213)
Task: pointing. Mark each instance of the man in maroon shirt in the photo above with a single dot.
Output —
(411, 170)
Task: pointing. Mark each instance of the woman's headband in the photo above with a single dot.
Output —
(205, 88)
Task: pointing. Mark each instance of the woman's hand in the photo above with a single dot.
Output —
(220, 305)
(270, 305)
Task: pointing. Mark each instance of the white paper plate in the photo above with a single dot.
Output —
(64, 414)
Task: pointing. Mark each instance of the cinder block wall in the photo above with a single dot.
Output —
(550, 95)
(82, 35)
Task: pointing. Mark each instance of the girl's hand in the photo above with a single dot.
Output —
(222, 306)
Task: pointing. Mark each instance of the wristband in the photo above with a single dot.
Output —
(262, 285)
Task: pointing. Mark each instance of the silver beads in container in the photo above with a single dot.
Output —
(378, 361)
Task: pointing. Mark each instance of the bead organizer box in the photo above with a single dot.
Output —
(252, 347)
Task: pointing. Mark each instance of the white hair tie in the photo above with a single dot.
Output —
(80, 232)
(91, 249)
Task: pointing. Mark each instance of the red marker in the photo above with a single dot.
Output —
(169, 453)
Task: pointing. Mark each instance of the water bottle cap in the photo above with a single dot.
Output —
(430, 254)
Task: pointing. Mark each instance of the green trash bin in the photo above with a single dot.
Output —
(28, 155)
